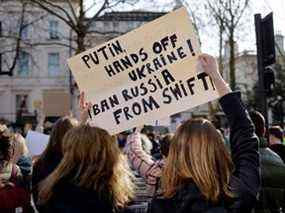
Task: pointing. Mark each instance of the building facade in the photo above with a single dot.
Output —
(41, 82)
(37, 44)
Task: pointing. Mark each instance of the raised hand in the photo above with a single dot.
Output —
(84, 108)
(210, 67)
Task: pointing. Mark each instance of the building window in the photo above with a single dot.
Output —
(115, 25)
(107, 24)
(0, 28)
(53, 30)
(0, 62)
(25, 32)
(24, 60)
(21, 105)
(53, 64)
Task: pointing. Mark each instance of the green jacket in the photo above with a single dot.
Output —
(272, 192)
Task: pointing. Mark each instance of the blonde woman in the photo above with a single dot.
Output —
(199, 174)
(93, 175)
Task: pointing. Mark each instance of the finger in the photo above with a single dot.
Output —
(89, 105)
(203, 62)
(203, 59)
(81, 100)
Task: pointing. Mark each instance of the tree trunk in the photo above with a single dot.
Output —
(81, 30)
(221, 32)
(232, 60)
(80, 42)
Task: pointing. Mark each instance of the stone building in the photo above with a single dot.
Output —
(41, 74)
(41, 80)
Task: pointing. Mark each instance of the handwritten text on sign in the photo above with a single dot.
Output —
(144, 75)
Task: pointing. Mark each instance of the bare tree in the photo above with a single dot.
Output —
(219, 21)
(227, 15)
(13, 42)
(12, 46)
(76, 15)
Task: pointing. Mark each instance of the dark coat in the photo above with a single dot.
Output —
(42, 169)
(70, 198)
(279, 149)
(245, 181)
(272, 193)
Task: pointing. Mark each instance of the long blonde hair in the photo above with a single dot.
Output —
(197, 153)
(92, 160)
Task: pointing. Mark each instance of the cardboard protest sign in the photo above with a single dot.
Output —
(144, 75)
(36, 142)
(56, 103)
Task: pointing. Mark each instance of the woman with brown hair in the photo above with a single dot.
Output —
(199, 174)
(93, 175)
(52, 155)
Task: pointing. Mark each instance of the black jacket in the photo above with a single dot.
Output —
(41, 170)
(279, 149)
(272, 192)
(69, 198)
(245, 180)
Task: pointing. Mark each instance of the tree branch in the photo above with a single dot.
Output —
(72, 10)
(89, 8)
(48, 44)
(103, 7)
(18, 41)
(241, 12)
(52, 12)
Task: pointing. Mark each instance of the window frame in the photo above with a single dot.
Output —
(1, 26)
(23, 63)
(53, 65)
(53, 29)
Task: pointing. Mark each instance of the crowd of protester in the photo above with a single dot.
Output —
(199, 168)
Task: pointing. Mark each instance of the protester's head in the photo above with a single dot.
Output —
(275, 135)
(2, 121)
(5, 147)
(165, 143)
(259, 123)
(122, 139)
(197, 153)
(59, 129)
(151, 136)
(92, 160)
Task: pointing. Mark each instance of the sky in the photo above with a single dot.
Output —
(245, 33)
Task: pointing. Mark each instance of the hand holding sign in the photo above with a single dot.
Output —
(84, 108)
(209, 65)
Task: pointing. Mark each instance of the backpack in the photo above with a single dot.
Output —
(13, 196)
